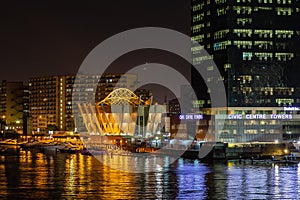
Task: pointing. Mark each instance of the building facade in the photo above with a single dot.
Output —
(239, 124)
(255, 45)
(13, 105)
(51, 99)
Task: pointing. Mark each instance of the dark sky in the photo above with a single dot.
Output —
(39, 38)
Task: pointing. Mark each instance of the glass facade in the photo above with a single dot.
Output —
(250, 38)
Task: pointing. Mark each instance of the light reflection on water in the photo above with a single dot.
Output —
(33, 175)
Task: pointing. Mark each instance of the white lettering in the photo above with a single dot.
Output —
(188, 116)
(198, 116)
(235, 117)
(281, 116)
(256, 116)
(290, 108)
(191, 117)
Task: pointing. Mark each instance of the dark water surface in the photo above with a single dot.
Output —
(34, 175)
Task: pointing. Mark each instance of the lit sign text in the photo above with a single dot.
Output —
(191, 117)
(260, 116)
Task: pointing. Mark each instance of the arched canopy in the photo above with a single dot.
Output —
(121, 96)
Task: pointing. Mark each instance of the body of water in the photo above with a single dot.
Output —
(28, 174)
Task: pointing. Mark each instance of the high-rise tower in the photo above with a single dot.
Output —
(255, 45)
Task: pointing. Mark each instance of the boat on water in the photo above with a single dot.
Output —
(51, 147)
(93, 152)
(10, 142)
(33, 144)
(69, 148)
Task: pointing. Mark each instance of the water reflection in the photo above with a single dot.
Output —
(33, 175)
(136, 163)
(191, 179)
(263, 182)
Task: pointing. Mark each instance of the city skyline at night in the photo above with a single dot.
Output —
(160, 99)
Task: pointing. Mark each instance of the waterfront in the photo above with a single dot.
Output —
(34, 175)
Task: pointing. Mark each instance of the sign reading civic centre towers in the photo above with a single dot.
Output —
(260, 116)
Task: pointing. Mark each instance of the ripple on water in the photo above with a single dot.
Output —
(33, 175)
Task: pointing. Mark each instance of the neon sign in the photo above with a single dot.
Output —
(191, 117)
(260, 116)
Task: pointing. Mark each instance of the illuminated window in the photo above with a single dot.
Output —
(222, 11)
(221, 45)
(284, 11)
(250, 131)
(197, 49)
(264, 33)
(221, 33)
(266, 91)
(198, 17)
(242, 9)
(227, 66)
(284, 56)
(284, 1)
(197, 28)
(247, 55)
(243, 21)
(220, 1)
(285, 102)
(243, 44)
(198, 38)
(201, 59)
(284, 33)
(263, 44)
(198, 7)
(264, 55)
(243, 32)
(262, 8)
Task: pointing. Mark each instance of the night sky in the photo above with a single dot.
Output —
(40, 38)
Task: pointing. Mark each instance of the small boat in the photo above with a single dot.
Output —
(51, 147)
(9, 142)
(33, 144)
(92, 152)
(69, 148)
(85, 152)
